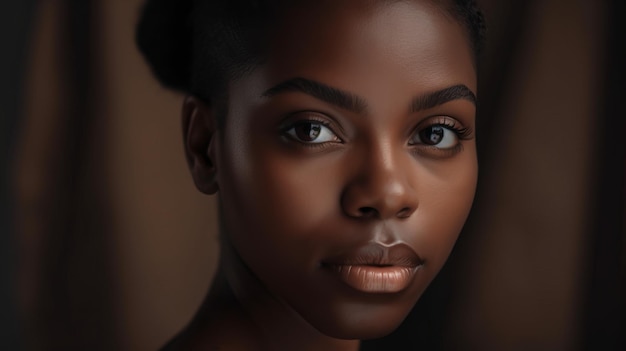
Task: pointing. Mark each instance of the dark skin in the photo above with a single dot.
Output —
(354, 135)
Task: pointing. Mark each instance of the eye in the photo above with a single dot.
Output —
(437, 135)
(311, 132)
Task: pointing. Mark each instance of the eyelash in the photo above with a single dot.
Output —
(463, 133)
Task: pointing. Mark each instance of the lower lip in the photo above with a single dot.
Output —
(375, 279)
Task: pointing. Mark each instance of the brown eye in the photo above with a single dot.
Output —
(307, 131)
(311, 132)
(436, 135)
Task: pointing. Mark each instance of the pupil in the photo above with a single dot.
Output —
(432, 135)
(308, 131)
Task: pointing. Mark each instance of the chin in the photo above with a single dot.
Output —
(364, 321)
(361, 330)
(366, 332)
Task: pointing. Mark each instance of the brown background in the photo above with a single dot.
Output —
(110, 247)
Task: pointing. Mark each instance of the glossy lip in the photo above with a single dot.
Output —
(375, 268)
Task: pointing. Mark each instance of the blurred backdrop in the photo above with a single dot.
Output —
(106, 245)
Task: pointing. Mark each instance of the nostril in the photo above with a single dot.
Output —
(405, 213)
(367, 212)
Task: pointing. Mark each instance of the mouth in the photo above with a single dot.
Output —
(375, 268)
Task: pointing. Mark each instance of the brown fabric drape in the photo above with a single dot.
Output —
(66, 283)
(525, 264)
(115, 247)
(15, 29)
(604, 318)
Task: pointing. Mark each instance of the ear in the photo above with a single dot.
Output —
(200, 138)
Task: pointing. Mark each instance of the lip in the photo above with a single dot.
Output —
(376, 268)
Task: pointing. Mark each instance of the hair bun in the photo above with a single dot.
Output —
(164, 37)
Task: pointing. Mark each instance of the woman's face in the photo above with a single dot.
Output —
(347, 164)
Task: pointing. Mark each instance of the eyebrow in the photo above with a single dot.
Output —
(356, 104)
(440, 97)
(334, 96)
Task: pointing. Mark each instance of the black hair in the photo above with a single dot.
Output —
(197, 46)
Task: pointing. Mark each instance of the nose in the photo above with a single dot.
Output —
(381, 186)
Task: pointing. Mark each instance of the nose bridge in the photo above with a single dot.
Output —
(382, 185)
(383, 173)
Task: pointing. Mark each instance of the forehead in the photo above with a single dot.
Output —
(367, 45)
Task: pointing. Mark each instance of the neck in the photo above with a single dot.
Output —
(240, 307)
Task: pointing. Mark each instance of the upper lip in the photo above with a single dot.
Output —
(377, 254)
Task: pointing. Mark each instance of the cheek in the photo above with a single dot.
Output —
(276, 205)
(279, 190)
(445, 202)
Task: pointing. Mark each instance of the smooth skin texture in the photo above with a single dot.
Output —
(357, 128)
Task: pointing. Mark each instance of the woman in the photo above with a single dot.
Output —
(339, 136)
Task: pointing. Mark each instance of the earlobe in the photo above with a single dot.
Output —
(200, 141)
